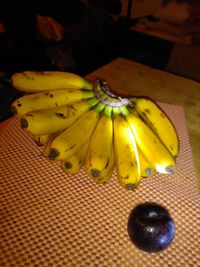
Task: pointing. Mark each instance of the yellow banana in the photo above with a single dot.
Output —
(156, 118)
(99, 160)
(35, 81)
(146, 167)
(41, 140)
(48, 99)
(74, 163)
(47, 121)
(108, 175)
(126, 154)
(150, 145)
(75, 136)
(47, 146)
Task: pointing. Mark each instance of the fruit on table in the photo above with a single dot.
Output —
(125, 149)
(39, 81)
(150, 227)
(152, 114)
(84, 124)
(99, 160)
(49, 99)
(51, 120)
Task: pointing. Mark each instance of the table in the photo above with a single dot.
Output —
(54, 219)
(138, 79)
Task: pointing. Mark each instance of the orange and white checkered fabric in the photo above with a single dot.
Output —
(49, 218)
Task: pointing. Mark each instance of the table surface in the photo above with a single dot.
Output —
(130, 78)
(54, 219)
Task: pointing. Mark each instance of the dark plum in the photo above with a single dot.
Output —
(151, 227)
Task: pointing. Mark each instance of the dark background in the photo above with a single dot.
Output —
(92, 38)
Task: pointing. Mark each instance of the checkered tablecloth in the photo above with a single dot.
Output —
(49, 218)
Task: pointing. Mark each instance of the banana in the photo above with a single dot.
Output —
(150, 145)
(47, 146)
(156, 118)
(41, 140)
(51, 120)
(74, 163)
(48, 99)
(100, 160)
(81, 123)
(146, 167)
(108, 175)
(126, 154)
(75, 136)
(35, 81)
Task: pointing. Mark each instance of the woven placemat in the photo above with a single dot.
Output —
(49, 218)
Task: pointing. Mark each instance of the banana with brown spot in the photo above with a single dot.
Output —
(147, 169)
(51, 120)
(126, 154)
(100, 160)
(48, 99)
(73, 164)
(38, 81)
(156, 118)
(150, 145)
(75, 136)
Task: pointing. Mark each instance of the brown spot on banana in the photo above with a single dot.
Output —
(125, 177)
(133, 163)
(148, 111)
(107, 162)
(72, 107)
(27, 77)
(145, 118)
(61, 115)
(71, 147)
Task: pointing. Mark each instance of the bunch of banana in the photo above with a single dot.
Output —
(85, 125)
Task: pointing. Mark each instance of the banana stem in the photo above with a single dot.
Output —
(104, 95)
